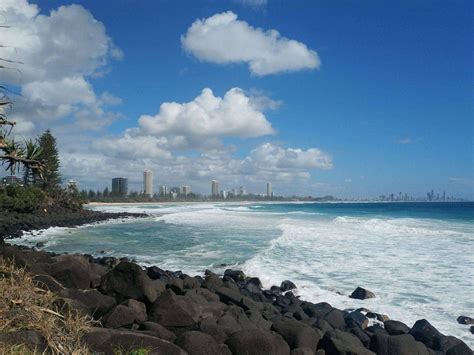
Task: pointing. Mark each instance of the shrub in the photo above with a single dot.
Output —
(21, 199)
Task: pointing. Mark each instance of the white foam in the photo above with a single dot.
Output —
(417, 268)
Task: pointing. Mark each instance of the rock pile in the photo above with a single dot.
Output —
(173, 313)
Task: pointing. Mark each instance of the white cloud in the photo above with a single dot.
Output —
(274, 158)
(224, 39)
(59, 51)
(128, 147)
(253, 3)
(406, 140)
(208, 117)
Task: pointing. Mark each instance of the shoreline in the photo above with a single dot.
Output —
(230, 311)
(14, 224)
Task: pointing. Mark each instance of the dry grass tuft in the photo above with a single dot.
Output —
(23, 306)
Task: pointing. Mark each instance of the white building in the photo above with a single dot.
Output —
(215, 188)
(148, 183)
(242, 191)
(224, 194)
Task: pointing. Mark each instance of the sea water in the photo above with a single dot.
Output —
(418, 258)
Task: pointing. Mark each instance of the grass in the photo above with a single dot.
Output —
(24, 306)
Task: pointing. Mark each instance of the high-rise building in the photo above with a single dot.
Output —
(224, 194)
(119, 186)
(215, 188)
(148, 183)
(185, 190)
(269, 189)
(163, 190)
(242, 191)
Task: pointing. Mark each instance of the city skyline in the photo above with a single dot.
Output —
(317, 115)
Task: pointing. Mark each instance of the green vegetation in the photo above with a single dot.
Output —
(50, 158)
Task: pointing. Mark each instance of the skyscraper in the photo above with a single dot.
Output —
(163, 190)
(242, 191)
(148, 183)
(215, 188)
(185, 190)
(119, 186)
(269, 189)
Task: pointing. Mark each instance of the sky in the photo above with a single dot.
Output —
(353, 99)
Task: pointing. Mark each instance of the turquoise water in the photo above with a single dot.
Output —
(416, 257)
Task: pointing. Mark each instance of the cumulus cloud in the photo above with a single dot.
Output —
(58, 51)
(275, 158)
(128, 147)
(209, 117)
(223, 39)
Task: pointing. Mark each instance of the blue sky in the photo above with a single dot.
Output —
(388, 109)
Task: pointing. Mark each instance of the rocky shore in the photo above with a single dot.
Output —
(13, 224)
(168, 312)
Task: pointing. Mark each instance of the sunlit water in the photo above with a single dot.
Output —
(417, 258)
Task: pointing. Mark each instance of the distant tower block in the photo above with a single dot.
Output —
(215, 188)
(269, 189)
(148, 183)
(119, 186)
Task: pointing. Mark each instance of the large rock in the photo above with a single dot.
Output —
(47, 282)
(208, 295)
(337, 342)
(197, 343)
(257, 342)
(317, 310)
(235, 275)
(138, 307)
(72, 271)
(220, 333)
(229, 296)
(97, 303)
(212, 281)
(296, 334)
(403, 344)
(26, 259)
(287, 285)
(303, 351)
(158, 330)
(175, 284)
(465, 320)
(394, 327)
(29, 338)
(190, 283)
(107, 341)
(357, 318)
(256, 318)
(362, 294)
(423, 331)
(171, 310)
(128, 280)
(120, 316)
(335, 318)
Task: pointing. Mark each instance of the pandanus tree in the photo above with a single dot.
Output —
(13, 154)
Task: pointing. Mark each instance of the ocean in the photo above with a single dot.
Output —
(418, 258)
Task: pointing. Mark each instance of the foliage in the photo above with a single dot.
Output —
(50, 158)
(21, 198)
